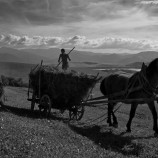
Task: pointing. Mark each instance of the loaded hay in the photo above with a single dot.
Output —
(64, 88)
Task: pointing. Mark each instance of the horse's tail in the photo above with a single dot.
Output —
(102, 87)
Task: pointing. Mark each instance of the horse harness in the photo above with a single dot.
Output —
(143, 84)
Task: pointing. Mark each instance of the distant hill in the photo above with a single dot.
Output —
(100, 58)
(78, 56)
(50, 56)
(135, 65)
(20, 56)
(146, 56)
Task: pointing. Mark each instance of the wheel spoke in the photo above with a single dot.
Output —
(76, 112)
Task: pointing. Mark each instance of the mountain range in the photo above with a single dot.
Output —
(50, 56)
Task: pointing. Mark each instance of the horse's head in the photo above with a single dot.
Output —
(152, 73)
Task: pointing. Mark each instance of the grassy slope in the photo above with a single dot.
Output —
(26, 134)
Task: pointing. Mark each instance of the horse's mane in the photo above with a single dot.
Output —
(152, 67)
(146, 71)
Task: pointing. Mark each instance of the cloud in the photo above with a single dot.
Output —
(149, 2)
(102, 10)
(31, 11)
(42, 12)
(26, 14)
(111, 43)
(29, 42)
(126, 2)
(149, 6)
(46, 12)
(63, 19)
(80, 42)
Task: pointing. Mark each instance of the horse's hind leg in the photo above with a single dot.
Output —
(154, 113)
(109, 114)
(115, 123)
(132, 114)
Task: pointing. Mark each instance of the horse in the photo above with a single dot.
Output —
(142, 84)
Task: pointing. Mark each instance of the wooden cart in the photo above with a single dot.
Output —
(46, 102)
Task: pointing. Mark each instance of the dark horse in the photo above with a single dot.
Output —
(142, 84)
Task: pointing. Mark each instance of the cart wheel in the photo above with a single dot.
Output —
(76, 112)
(45, 105)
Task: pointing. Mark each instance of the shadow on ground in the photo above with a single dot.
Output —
(106, 139)
(120, 143)
(32, 114)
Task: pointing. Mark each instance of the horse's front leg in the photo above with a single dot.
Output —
(131, 116)
(109, 114)
(115, 123)
(151, 106)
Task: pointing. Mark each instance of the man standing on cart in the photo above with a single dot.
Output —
(64, 59)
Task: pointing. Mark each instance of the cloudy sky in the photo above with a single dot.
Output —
(99, 25)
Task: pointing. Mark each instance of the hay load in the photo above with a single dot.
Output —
(64, 88)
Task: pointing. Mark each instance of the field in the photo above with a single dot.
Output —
(26, 134)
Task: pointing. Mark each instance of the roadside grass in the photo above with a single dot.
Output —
(26, 134)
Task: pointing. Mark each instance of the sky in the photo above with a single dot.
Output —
(107, 26)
